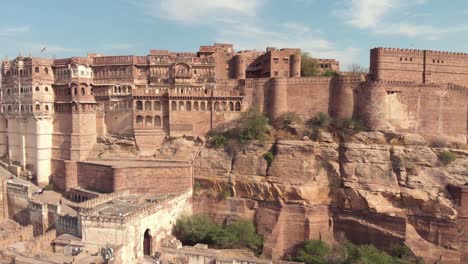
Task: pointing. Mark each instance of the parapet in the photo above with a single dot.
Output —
(398, 51)
(419, 53)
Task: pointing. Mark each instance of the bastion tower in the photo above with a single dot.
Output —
(26, 123)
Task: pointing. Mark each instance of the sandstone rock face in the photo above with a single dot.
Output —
(371, 187)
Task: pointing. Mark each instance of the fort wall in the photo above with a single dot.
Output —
(433, 110)
(422, 66)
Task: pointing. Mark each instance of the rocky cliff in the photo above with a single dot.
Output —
(369, 188)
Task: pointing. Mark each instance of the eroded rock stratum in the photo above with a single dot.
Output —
(369, 188)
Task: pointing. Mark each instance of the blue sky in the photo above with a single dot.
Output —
(340, 29)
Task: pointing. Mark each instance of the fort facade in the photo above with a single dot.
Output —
(53, 110)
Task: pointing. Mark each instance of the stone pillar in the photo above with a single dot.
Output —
(278, 97)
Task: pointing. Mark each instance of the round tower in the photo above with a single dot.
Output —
(239, 66)
(295, 65)
(278, 97)
(371, 105)
(342, 98)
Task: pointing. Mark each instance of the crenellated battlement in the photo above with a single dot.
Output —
(398, 51)
(102, 199)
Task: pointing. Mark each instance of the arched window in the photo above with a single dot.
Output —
(148, 121)
(9, 108)
(195, 106)
(174, 106)
(216, 106)
(47, 89)
(8, 91)
(36, 70)
(38, 107)
(47, 108)
(21, 72)
(224, 106)
(83, 91)
(157, 121)
(188, 106)
(231, 106)
(238, 106)
(37, 89)
(209, 106)
(202, 106)
(139, 105)
(139, 120)
(148, 106)
(69, 91)
(22, 108)
(181, 106)
(46, 70)
(157, 106)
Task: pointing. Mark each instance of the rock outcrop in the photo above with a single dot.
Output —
(371, 187)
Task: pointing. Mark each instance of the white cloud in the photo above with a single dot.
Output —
(200, 11)
(421, 31)
(13, 30)
(240, 22)
(367, 13)
(376, 16)
(286, 35)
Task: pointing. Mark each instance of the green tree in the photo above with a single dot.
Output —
(313, 252)
(195, 229)
(309, 65)
(245, 235)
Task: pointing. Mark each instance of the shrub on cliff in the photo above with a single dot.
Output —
(447, 157)
(320, 121)
(251, 125)
(269, 157)
(286, 119)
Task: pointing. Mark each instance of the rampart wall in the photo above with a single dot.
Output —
(304, 96)
(430, 109)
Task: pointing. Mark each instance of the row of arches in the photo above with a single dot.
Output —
(25, 72)
(148, 105)
(76, 91)
(113, 72)
(122, 89)
(28, 108)
(206, 106)
(123, 105)
(25, 90)
(149, 121)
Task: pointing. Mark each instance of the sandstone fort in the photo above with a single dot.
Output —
(58, 117)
